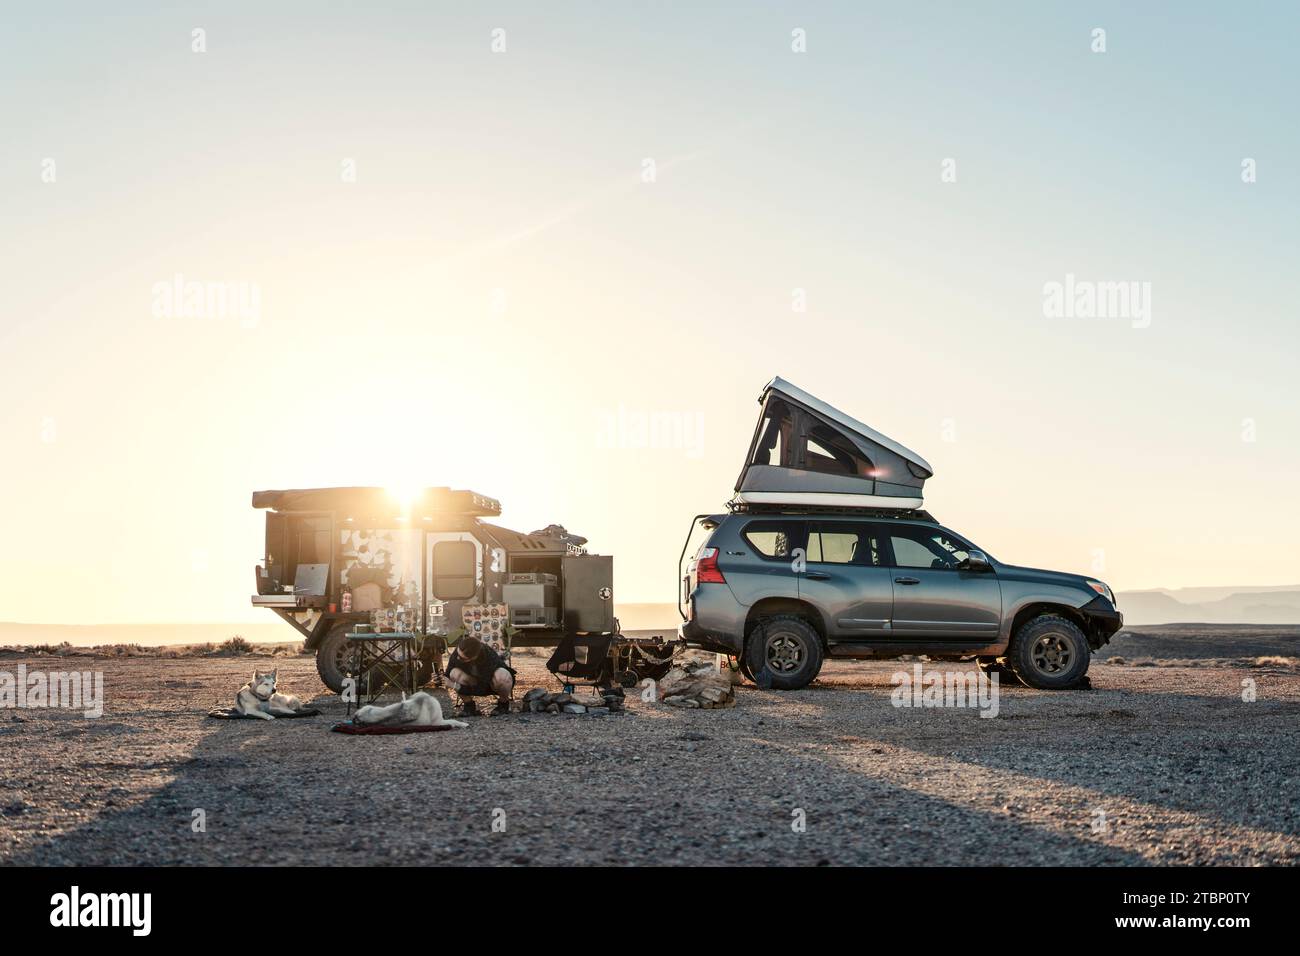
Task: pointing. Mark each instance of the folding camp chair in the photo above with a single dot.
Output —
(583, 659)
(382, 660)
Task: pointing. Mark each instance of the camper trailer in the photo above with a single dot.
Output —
(336, 558)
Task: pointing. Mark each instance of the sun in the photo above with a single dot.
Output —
(406, 496)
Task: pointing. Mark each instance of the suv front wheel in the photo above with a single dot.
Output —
(785, 650)
(1049, 652)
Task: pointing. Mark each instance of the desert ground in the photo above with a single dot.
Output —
(1160, 762)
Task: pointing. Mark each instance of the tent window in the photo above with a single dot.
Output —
(773, 434)
(829, 452)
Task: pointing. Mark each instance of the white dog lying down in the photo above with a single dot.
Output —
(258, 698)
(421, 710)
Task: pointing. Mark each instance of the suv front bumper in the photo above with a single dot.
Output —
(1104, 620)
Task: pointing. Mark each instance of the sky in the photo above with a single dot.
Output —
(483, 245)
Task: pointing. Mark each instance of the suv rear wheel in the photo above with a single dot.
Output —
(1049, 652)
(786, 649)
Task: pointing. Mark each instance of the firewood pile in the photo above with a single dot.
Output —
(697, 684)
(541, 701)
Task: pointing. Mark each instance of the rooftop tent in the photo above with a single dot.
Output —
(806, 453)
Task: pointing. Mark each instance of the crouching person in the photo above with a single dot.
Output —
(477, 670)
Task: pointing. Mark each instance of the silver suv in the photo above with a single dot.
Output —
(785, 591)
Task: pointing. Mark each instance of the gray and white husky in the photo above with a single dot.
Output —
(420, 709)
(258, 698)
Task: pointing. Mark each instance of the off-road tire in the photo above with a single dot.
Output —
(333, 658)
(1049, 652)
(788, 648)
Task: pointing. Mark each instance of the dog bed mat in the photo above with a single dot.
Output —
(230, 713)
(349, 728)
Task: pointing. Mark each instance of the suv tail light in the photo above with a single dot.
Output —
(706, 569)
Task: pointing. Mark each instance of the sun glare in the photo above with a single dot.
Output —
(405, 496)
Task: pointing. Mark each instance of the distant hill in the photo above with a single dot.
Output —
(1247, 605)
(146, 635)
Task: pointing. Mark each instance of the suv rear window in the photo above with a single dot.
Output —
(771, 539)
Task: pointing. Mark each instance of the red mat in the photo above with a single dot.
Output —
(384, 729)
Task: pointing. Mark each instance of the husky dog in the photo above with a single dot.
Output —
(421, 710)
(258, 698)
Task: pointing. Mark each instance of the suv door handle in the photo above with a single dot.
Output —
(907, 580)
(817, 576)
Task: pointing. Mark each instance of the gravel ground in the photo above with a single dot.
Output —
(1184, 771)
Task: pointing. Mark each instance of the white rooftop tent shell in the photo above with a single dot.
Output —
(806, 453)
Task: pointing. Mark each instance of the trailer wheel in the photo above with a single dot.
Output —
(333, 657)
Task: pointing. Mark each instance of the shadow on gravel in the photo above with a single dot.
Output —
(1228, 761)
(659, 787)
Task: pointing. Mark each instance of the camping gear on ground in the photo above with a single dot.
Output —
(729, 667)
(636, 659)
(380, 661)
(541, 701)
(806, 453)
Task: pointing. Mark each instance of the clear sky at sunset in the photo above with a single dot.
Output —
(485, 267)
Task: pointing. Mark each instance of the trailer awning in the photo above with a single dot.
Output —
(371, 502)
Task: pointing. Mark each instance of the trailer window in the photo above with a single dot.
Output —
(454, 570)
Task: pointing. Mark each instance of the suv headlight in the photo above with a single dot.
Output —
(1103, 589)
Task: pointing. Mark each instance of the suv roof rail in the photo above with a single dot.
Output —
(750, 508)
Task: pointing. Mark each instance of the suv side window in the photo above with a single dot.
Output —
(930, 548)
(772, 539)
(837, 543)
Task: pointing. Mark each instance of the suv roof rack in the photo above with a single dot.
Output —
(737, 507)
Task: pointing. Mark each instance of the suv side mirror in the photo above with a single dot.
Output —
(976, 561)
